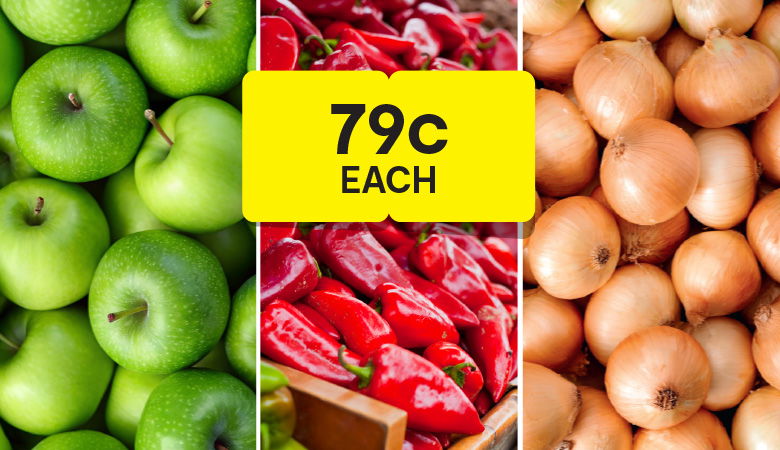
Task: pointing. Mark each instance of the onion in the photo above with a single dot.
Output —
(767, 29)
(617, 82)
(637, 297)
(675, 48)
(545, 16)
(649, 171)
(697, 17)
(769, 291)
(566, 153)
(552, 329)
(766, 342)
(727, 179)
(766, 142)
(631, 19)
(727, 345)
(711, 88)
(763, 232)
(553, 57)
(657, 377)
(598, 426)
(550, 406)
(715, 274)
(702, 431)
(528, 276)
(574, 248)
(755, 423)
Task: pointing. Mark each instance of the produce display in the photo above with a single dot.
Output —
(121, 230)
(651, 268)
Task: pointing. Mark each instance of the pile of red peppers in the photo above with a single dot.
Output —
(421, 316)
(385, 35)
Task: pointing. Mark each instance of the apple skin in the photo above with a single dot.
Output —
(216, 359)
(80, 440)
(179, 58)
(61, 22)
(251, 62)
(196, 408)
(234, 247)
(13, 166)
(195, 185)
(126, 401)
(240, 340)
(11, 60)
(49, 265)
(125, 211)
(79, 144)
(185, 289)
(57, 377)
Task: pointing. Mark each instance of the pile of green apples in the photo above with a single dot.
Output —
(126, 268)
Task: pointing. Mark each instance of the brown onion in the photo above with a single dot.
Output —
(631, 19)
(766, 342)
(552, 329)
(766, 142)
(598, 426)
(763, 232)
(715, 274)
(528, 276)
(617, 82)
(755, 423)
(697, 17)
(675, 48)
(767, 29)
(769, 291)
(545, 17)
(702, 431)
(657, 377)
(711, 88)
(574, 248)
(649, 171)
(550, 406)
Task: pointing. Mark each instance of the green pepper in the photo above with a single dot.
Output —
(271, 378)
(277, 410)
(265, 437)
(291, 444)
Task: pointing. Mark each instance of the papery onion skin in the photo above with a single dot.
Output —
(574, 248)
(566, 152)
(637, 297)
(552, 329)
(766, 142)
(550, 406)
(727, 179)
(767, 29)
(727, 344)
(715, 273)
(649, 171)
(711, 89)
(545, 16)
(631, 19)
(697, 17)
(658, 377)
(617, 82)
(598, 425)
(763, 233)
(701, 431)
(769, 291)
(675, 48)
(755, 423)
(766, 342)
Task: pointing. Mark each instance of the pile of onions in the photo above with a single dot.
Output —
(727, 180)
(553, 57)
(566, 153)
(697, 17)
(658, 377)
(766, 142)
(766, 342)
(767, 29)
(649, 171)
(552, 329)
(755, 423)
(574, 248)
(763, 232)
(545, 16)
(617, 82)
(550, 406)
(711, 89)
(598, 426)
(715, 274)
(618, 18)
(702, 430)
(769, 292)
(675, 48)
(637, 297)
(727, 344)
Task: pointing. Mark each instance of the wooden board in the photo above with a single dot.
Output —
(500, 428)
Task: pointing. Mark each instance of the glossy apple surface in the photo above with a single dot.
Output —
(240, 341)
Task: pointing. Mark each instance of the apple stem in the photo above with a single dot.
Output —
(8, 342)
(152, 118)
(74, 101)
(201, 11)
(38, 206)
(113, 317)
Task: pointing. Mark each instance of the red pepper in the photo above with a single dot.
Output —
(296, 17)
(288, 272)
(513, 345)
(415, 320)
(333, 31)
(392, 45)
(318, 320)
(288, 337)
(512, 310)
(445, 439)
(447, 23)
(374, 24)
(483, 403)
(432, 401)
(279, 44)
(394, 5)
(378, 59)
(489, 346)
(427, 43)
(401, 255)
(473, 17)
(500, 51)
(443, 64)
(418, 440)
(503, 293)
(468, 55)
(270, 232)
(501, 252)
(399, 19)
(458, 365)
(449, 5)
(459, 313)
(329, 284)
(415, 228)
(362, 328)
(348, 10)
(347, 56)
(388, 234)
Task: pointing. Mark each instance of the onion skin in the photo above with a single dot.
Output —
(545, 16)
(675, 48)
(702, 431)
(715, 274)
(617, 82)
(550, 406)
(697, 17)
(598, 425)
(763, 233)
(649, 171)
(552, 330)
(710, 88)
(766, 342)
(770, 290)
(658, 377)
(766, 142)
(619, 19)
(574, 248)
(767, 29)
(755, 423)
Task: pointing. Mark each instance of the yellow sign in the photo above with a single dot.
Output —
(357, 146)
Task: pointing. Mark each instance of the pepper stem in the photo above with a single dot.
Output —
(489, 44)
(113, 317)
(38, 206)
(363, 373)
(325, 46)
(427, 64)
(8, 342)
(74, 101)
(456, 373)
(152, 118)
(201, 11)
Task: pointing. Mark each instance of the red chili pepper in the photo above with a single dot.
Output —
(270, 232)
(415, 228)
(348, 10)
(279, 44)
(418, 440)
(489, 346)
(333, 31)
(288, 337)
(449, 5)
(459, 313)
(392, 45)
(288, 272)
(443, 64)
(401, 255)
(447, 23)
(458, 365)
(473, 17)
(501, 251)
(318, 320)
(432, 401)
(483, 403)
(445, 439)
(329, 284)
(503, 293)
(388, 234)
(500, 51)
(288, 10)
(374, 24)
(513, 346)
(512, 310)
(362, 328)
(399, 19)
(427, 43)
(394, 5)
(468, 54)
(347, 56)
(378, 59)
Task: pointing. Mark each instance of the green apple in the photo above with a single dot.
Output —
(234, 247)
(198, 409)
(182, 48)
(11, 60)
(13, 166)
(114, 41)
(80, 440)
(52, 235)
(61, 22)
(159, 301)
(4, 444)
(125, 211)
(251, 61)
(240, 341)
(216, 359)
(126, 400)
(52, 371)
(78, 113)
(193, 185)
